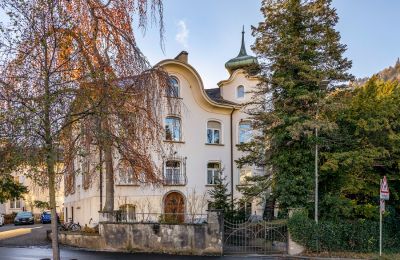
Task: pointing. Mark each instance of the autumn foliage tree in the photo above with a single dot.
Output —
(65, 64)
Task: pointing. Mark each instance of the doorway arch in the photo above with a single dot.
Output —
(174, 207)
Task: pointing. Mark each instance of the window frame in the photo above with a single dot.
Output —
(14, 202)
(180, 129)
(242, 122)
(128, 170)
(220, 130)
(248, 173)
(214, 172)
(177, 178)
(243, 93)
(177, 86)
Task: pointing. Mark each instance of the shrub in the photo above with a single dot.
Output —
(343, 235)
(9, 218)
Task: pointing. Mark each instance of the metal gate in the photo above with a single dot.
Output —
(255, 237)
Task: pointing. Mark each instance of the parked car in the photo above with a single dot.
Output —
(45, 217)
(24, 217)
(1, 220)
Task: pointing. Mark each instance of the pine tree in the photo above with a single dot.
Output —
(301, 58)
(219, 196)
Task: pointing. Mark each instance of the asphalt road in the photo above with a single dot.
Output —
(24, 236)
(72, 254)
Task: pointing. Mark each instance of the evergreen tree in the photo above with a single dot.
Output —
(301, 59)
(219, 196)
(363, 148)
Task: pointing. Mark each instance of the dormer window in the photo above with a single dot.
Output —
(240, 92)
(173, 87)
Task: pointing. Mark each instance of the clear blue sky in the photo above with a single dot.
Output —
(370, 28)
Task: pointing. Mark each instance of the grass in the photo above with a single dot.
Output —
(353, 255)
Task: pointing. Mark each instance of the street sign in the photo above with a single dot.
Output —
(384, 194)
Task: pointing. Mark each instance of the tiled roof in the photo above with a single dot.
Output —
(215, 95)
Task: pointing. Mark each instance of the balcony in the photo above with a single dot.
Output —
(174, 179)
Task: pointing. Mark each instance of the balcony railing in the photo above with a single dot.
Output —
(175, 179)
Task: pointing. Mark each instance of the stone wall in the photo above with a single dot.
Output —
(190, 239)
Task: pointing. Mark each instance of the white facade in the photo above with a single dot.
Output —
(210, 128)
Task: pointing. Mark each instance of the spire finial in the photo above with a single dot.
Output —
(243, 47)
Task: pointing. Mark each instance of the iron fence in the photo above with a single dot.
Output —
(162, 218)
(255, 237)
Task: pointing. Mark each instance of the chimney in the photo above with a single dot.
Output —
(182, 56)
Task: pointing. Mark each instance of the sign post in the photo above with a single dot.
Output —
(384, 195)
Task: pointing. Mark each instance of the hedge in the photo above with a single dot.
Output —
(343, 235)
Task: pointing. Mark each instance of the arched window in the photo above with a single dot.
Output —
(173, 128)
(213, 132)
(173, 173)
(213, 172)
(240, 92)
(245, 132)
(173, 87)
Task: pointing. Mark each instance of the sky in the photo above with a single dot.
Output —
(210, 30)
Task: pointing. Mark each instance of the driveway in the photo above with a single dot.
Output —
(24, 236)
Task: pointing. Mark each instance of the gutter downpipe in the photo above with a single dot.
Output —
(231, 119)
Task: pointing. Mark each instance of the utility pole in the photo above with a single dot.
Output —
(316, 175)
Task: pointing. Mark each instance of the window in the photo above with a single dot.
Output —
(244, 132)
(125, 175)
(128, 213)
(244, 172)
(173, 87)
(213, 132)
(173, 129)
(240, 92)
(15, 204)
(173, 173)
(213, 172)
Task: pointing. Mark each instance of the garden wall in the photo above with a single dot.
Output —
(191, 239)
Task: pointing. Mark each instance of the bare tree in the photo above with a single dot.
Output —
(37, 89)
(129, 93)
(65, 64)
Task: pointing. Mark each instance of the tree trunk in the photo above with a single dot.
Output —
(53, 206)
(109, 203)
(106, 144)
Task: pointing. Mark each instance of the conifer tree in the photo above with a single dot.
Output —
(301, 59)
(219, 196)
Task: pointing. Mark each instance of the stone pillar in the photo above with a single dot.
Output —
(293, 247)
(215, 223)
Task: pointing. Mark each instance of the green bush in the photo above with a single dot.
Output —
(343, 235)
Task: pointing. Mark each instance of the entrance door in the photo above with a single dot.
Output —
(174, 207)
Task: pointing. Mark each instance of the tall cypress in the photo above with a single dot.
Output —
(301, 58)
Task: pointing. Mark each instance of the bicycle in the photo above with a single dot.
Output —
(70, 226)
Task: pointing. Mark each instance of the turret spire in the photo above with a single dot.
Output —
(243, 47)
(242, 60)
